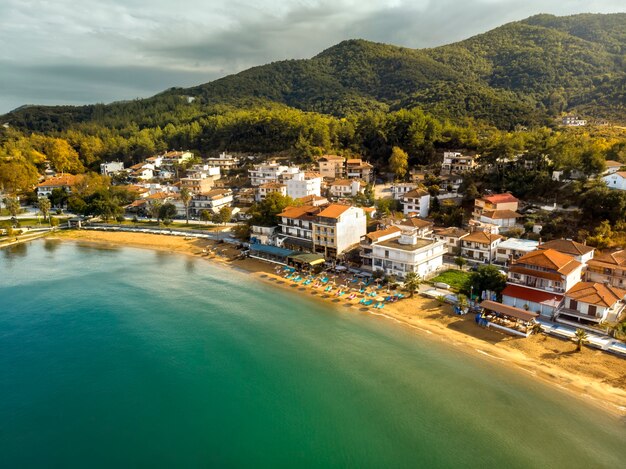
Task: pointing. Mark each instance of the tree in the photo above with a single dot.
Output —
(265, 213)
(460, 261)
(412, 282)
(13, 205)
(462, 301)
(580, 338)
(185, 197)
(206, 215)
(154, 209)
(398, 162)
(167, 211)
(536, 328)
(225, 214)
(17, 176)
(44, 207)
(487, 277)
(58, 197)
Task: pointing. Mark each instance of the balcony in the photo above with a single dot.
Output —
(534, 283)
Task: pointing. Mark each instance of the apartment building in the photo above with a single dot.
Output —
(304, 184)
(268, 188)
(359, 169)
(480, 246)
(455, 162)
(331, 166)
(416, 201)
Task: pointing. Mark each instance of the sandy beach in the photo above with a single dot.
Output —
(594, 376)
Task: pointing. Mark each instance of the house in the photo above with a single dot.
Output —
(423, 228)
(455, 162)
(612, 166)
(416, 201)
(269, 172)
(399, 190)
(142, 171)
(175, 157)
(538, 280)
(329, 230)
(155, 161)
(66, 181)
(331, 166)
(573, 121)
(397, 250)
(480, 246)
(212, 200)
(264, 190)
(204, 171)
(304, 184)
(616, 180)
(590, 303)
(314, 200)
(500, 218)
(581, 252)
(346, 187)
(451, 237)
(359, 169)
(112, 167)
(514, 248)
(197, 185)
(262, 234)
(224, 162)
(246, 196)
(609, 268)
(494, 203)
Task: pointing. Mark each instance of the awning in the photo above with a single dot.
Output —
(307, 258)
(510, 311)
(273, 250)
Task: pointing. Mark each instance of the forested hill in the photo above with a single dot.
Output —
(521, 73)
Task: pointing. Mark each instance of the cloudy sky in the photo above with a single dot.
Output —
(85, 51)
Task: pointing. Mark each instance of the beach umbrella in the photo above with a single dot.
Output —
(379, 298)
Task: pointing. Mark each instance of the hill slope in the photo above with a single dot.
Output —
(520, 73)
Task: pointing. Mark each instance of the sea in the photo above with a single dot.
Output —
(123, 357)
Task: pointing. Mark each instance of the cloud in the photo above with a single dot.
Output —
(90, 51)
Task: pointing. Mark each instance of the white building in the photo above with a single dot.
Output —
(590, 303)
(399, 190)
(480, 246)
(416, 201)
(514, 248)
(64, 182)
(581, 252)
(303, 185)
(269, 172)
(573, 121)
(112, 167)
(175, 157)
(455, 162)
(398, 250)
(224, 162)
(359, 169)
(204, 171)
(212, 201)
(616, 180)
(268, 188)
(612, 166)
(346, 187)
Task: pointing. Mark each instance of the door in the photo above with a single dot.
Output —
(573, 304)
(592, 310)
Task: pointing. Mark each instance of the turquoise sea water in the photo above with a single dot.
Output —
(133, 358)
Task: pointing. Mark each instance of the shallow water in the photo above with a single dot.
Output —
(127, 357)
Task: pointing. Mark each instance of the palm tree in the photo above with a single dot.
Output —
(155, 210)
(412, 283)
(462, 302)
(12, 205)
(185, 197)
(580, 339)
(44, 207)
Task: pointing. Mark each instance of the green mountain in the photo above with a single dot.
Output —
(521, 73)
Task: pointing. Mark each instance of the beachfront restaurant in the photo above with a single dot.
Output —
(269, 253)
(304, 260)
(506, 318)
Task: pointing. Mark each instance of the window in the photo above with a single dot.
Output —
(573, 304)
(387, 254)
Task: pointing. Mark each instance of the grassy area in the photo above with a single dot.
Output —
(454, 278)
(23, 222)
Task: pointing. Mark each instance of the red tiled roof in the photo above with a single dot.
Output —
(58, 181)
(500, 214)
(375, 235)
(333, 211)
(550, 259)
(500, 198)
(535, 296)
(567, 246)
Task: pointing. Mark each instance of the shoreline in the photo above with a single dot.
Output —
(593, 376)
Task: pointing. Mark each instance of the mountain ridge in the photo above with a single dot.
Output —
(521, 73)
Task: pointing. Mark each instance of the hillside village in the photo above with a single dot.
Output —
(342, 212)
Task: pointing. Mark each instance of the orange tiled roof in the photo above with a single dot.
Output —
(415, 193)
(612, 259)
(375, 235)
(550, 259)
(58, 181)
(272, 185)
(596, 294)
(333, 211)
(500, 198)
(500, 214)
(613, 164)
(481, 237)
(415, 222)
(452, 232)
(346, 182)
(297, 212)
